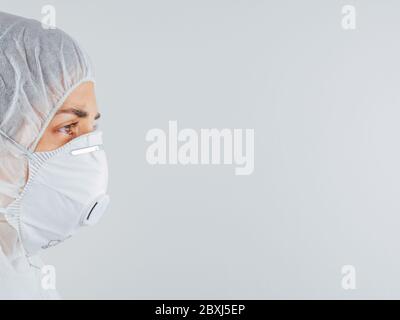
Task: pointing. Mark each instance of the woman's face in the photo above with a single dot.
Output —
(77, 116)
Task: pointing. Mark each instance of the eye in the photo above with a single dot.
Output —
(68, 129)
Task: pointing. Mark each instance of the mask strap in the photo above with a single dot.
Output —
(17, 145)
(4, 210)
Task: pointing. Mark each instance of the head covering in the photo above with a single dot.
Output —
(39, 68)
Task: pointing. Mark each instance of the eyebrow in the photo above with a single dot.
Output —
(78, 112)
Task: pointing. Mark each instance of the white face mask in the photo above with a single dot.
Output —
(66, 190)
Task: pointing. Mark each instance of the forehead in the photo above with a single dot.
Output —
(83, 98)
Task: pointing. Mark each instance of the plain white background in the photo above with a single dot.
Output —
(325, 106)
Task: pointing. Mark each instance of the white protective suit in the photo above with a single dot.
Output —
(39, 68)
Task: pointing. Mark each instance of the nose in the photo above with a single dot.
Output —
(87, 127)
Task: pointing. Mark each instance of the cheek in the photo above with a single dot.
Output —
(43, 144)
(49, 141)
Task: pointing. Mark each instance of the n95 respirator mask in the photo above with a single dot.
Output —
(66, 190)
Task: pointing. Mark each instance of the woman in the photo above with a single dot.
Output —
(53, 171)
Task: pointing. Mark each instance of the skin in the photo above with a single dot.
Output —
(77, 116)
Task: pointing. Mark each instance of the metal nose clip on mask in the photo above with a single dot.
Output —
(66, 190)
